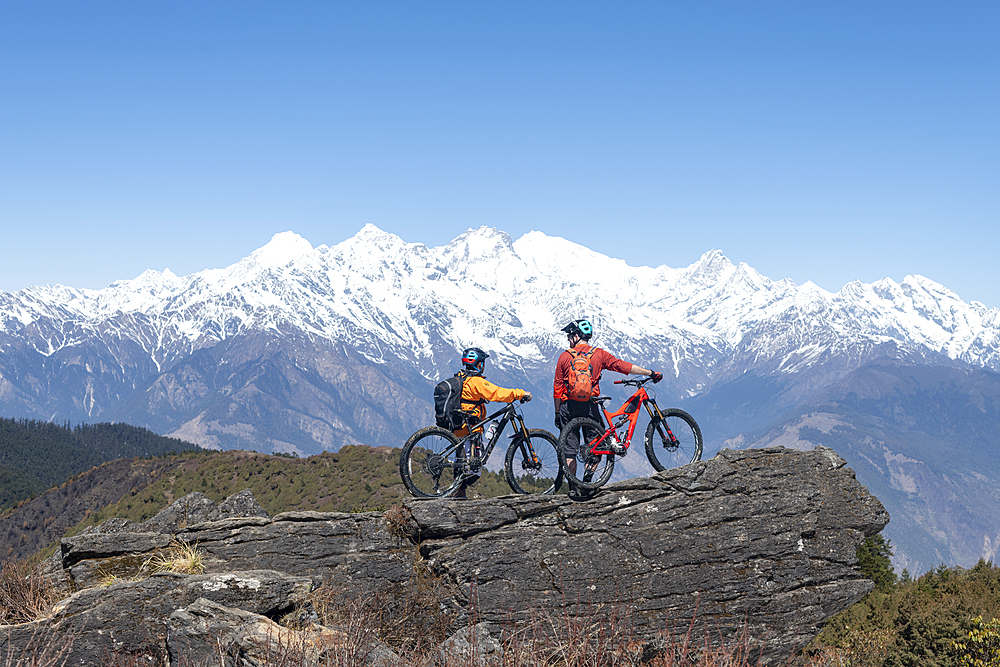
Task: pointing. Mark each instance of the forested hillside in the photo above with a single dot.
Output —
(37, 455)
(355, 478)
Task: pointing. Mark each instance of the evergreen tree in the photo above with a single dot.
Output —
(875, 558)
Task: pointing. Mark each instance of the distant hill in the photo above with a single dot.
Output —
(36, 455)
(355, 478)
(37, 523)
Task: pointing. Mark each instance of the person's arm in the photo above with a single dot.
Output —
(559, 386)
(491, 392)
(613, 363)
(639, 370)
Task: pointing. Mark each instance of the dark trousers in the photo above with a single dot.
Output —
(570, 409)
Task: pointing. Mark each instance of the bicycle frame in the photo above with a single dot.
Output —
(627, 413)
(510, 414)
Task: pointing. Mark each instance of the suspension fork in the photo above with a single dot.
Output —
(661, 423)
(527, 450)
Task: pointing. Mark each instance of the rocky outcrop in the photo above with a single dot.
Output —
(757, 541)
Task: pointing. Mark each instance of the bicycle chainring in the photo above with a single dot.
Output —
(475, 465)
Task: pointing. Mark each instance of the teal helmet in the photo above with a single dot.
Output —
(582, 328)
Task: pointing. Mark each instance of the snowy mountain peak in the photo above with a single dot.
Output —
(712, 267)
(479, 244)
(283, 249)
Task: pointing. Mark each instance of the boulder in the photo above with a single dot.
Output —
(209, 633)
(759, 543)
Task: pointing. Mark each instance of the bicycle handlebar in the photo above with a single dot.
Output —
(637, 382)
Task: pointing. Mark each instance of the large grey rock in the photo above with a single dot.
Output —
(765, 538)
(196, 508)
(130, 616)
(758, 540)
(118, 548)
(209, 633)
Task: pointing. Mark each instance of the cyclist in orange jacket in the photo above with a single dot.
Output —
(579, 333)
(477, 391)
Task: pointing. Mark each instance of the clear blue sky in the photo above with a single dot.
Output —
(814, 141)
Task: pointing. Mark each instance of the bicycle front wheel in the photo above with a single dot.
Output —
(429, 464)
(673, 441)
(532, 463)
(588, 471)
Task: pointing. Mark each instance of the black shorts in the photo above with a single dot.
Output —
(570, 409)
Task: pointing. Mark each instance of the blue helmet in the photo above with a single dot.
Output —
(474, 359)
(582, 328)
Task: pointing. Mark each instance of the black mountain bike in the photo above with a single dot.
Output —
(435, 462)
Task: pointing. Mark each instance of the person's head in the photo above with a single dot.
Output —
(474, 359)
(578, 330)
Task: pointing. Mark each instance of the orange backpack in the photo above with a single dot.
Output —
(581, 381)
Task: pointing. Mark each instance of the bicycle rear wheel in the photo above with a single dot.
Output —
(430, 465)
(591, 471)
(532, 463)
(685, 447)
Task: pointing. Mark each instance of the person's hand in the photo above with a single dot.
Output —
(656, 376)
(558, 422)
(526, 397)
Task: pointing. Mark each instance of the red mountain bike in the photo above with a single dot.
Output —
(673, 438)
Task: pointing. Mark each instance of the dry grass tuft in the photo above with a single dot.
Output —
(179, 557)
(400, 523)
(25, 595)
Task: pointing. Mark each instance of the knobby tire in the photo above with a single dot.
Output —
(603, 465)
(427, 463)
(662, 452)
(544, 477)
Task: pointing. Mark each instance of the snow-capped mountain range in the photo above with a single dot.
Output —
(401, 302)
(301, 348)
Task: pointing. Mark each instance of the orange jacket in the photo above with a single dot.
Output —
(477, 388)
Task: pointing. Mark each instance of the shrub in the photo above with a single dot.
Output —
(981, 646)
(179, 557)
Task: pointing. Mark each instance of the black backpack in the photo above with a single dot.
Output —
(448, 402)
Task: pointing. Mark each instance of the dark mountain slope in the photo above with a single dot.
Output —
(291, 393)
(925, 441)
(37, 523)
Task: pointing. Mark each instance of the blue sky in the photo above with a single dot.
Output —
(814, 141)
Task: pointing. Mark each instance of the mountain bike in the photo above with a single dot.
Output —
(434, 461)
(673, 438)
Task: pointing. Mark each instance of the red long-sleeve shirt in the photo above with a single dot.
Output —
(599, 361)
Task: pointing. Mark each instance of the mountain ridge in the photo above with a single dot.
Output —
(305, 349)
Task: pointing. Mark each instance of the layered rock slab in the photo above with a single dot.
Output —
(761, 541)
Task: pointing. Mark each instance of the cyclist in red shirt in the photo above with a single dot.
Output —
(579, 333)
